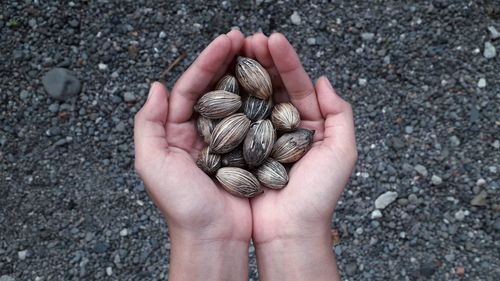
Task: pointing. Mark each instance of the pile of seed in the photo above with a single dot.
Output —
(243, 148)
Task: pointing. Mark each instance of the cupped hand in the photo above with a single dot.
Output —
(167, 145)
(304, 208)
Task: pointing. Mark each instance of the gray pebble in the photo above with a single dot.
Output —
(493, 32)
(74, 23)
(120, 127)
(351, 268)
(489, 50)
(496, 225)
(24, 94)
(54, 107)
(129, 97)
(61, 84)
(311, 41)
(455, 141)
(22, 254)
(408, 129)
(367, 36)
(421, 170)
(7, 278)
(436, 180)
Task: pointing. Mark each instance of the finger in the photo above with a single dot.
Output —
(247, 47)
(294, 77)
(237, 39)
(197, 78)
(339, 123)
(149, 125)
(260, 48)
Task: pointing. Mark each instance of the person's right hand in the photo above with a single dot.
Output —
(210, 229)
(292, 226)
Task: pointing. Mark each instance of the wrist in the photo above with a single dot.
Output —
(208, 259)
(292, 254)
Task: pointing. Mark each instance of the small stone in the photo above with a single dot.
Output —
(492, 169)
(449, 257)
(311, 41)
(351, 268)
(496, 224)
(129, 97)
(460, 215)
(496, 144)
(460, 270)
(436, 180)
(24, 94)
(385, 199)
(74, 23)
(123, 232)
(32, 23)
(102, 66)
(480, 182)
(421, 170)
(54, 108)
(480, 199)
(362, 82)
(413, 198)
(109, 270)
(454, 141)
(120, 127)
(22, 254)
(7, 278)
(408, 129)
(61, 83)
(493, 32)
(101, 247)
(367, 36)
(295, 18)
(376, 214)
(162, 35)
(489, 50)
(428, 269)
(481, 83)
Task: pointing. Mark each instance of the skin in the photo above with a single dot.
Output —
(210, 229)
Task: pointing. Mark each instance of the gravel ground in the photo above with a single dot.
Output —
(423, 78)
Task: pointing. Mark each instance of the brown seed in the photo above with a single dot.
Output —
(272, 174)
(239, 182)
(218, 104)
(290, 147)
(208, 162)
(285, 117)
(257, 109)
(259, 142)
(234, 159)
(229, 133)
(228, 83)
(205, 127)
(253, 78)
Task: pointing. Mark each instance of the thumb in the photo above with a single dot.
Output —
(149, 125)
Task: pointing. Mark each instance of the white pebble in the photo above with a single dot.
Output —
(295, 18)
(385, 199)
(102, 66)
(109, 271)
(481, 83)
(162, 35)
(460, 215)
(22, 254)
(493, 32)
(489, 50)
(376, 214)
(124, 232)
(480, 182)
(362, 82)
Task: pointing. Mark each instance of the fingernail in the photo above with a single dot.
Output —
(328, 83)
(153, 88)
